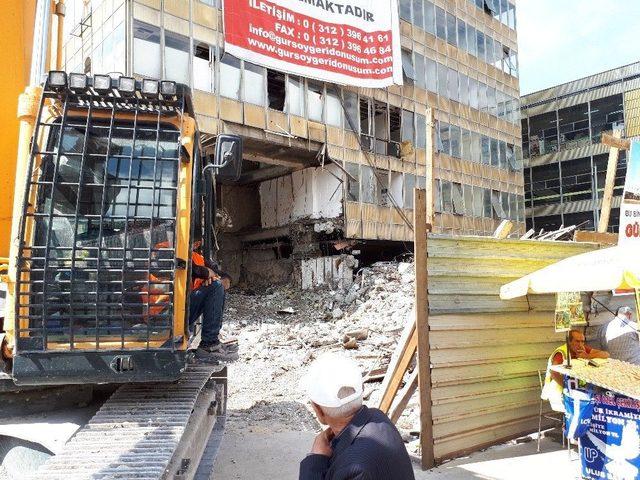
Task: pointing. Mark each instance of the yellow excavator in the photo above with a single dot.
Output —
(111, 188)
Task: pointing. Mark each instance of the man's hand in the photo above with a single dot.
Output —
(321, 445)
(213, 276)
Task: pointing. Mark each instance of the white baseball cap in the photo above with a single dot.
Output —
(327, 375)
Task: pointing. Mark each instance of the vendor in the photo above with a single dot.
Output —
(552, 390)
(620, 338)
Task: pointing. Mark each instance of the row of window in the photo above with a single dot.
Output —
(382, 187)
(474, 147)
(502, 10)
(571, 180)
(456, 32)
(472, 201)
(449, 83)
(571, 127)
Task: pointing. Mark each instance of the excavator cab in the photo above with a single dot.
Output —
(116, 190)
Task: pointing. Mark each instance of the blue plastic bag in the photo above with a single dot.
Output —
(578, 406)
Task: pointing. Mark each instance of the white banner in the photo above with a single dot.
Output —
(630, 208)
(350, 42)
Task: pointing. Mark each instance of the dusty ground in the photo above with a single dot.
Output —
(276, 348)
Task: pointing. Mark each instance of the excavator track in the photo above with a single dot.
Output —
(145, 431)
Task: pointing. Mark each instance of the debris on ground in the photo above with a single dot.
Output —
(363, 322)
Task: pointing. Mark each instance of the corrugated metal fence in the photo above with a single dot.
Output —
(486, 352)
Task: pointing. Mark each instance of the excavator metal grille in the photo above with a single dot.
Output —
(97, 250)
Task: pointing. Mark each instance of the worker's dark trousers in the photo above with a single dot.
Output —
(209, 302)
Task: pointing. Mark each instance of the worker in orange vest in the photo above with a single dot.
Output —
(208, 292)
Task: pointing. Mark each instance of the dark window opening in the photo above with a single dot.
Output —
(276, 90)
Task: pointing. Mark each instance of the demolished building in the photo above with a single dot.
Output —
(329, 170)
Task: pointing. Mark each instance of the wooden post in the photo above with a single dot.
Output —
(422, 327)
(431, 153)
(397, 368)
(609, 183)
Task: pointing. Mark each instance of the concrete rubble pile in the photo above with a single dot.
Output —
(282, 329)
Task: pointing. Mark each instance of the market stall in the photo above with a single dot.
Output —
(610, 445)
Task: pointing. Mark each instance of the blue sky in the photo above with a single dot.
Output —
(562, 40)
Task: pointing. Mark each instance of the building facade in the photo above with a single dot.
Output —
(565, 162)
(342, 159)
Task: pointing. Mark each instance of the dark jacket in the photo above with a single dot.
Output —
(369, 448)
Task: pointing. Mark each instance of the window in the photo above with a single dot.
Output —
(230, 72)
(462, 35)
(445, 139)
(353, 181)
(451, 29)
(573, 124)
(203, 71)
(381, 127)
(437, 195)
(176, 57)
(418, 17)
(315, 103)
(467, 190)
(441, 24)
(507, 61)
(405, 10)
(495, 157)
(334, 107)
(473, 93)
(212, 3)
(478, 201)
(409, 185)
(407, 67)
(452, 84)
(432, 76)
(485, 150)
(429, 17)
(442, 81)
(504, 12)
(492, 101)
(382, 187)
(146, 50)
(457, 198)
(467, 154)
(253, 82)
(295, 96)
(502, 154)
(276, 90)
(447, 203)
(368, 182)
(482, 97)
(543, 134)
(454, 132)
(511, 16)
(421, 131)
(496, 203)
(395, 122)
(482, 54)
(504, 200)
(421, 75)
(487, 209)
(351, 113)
(408, 129)
(472, 41)
(464, 89)
(489, 50)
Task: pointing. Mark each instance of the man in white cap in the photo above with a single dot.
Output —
(620, 337)
(360, 443)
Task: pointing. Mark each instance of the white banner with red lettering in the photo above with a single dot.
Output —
(350, 42)
(630, 208)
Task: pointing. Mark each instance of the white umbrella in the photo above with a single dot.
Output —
(606, 269)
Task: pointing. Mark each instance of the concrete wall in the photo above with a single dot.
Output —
(310, 193)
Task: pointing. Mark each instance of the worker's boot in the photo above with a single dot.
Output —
(216, 352)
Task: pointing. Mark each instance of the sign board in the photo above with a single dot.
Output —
(611, 447)
(630, 208)
(569, 311)
(350, 42)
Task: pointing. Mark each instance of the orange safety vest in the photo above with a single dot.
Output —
(198, 259)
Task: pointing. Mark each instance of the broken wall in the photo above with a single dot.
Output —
(314, 193)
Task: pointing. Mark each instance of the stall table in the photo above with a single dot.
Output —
(611, 447)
